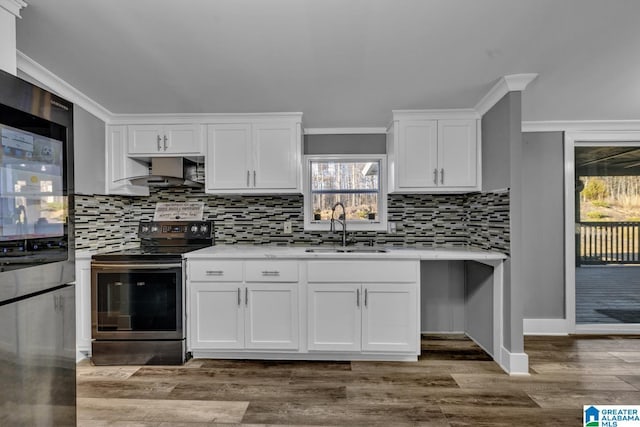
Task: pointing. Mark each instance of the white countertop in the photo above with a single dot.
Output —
(299, 252)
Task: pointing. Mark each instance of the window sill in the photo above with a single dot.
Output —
(351, 226)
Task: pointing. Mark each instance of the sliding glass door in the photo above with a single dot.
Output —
(607, 225)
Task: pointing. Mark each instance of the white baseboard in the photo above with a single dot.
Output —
(514, 363)
(545, 327)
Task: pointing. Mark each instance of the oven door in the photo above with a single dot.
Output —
(132, 301)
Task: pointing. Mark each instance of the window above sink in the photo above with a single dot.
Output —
(357, 181)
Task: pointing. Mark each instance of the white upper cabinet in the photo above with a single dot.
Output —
(165, 140)
(417, 150)
(119, 166)
(228, 164)
(458, 153)
(254, 156)
(276, 155)
(429, 152)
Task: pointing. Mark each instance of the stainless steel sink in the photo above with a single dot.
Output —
(346, 250)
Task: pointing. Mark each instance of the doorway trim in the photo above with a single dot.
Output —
(585, 139)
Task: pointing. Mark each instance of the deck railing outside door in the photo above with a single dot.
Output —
(608, 243)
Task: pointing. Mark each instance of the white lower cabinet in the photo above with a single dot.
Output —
(390, 317)
(368, 306)
(374, 317)
(241, 315)
(216, 316)
(271, 316)
(334, 320)
(345, 308)
(83, 303)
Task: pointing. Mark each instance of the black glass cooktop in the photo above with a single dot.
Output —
(163, 241)
(148, 253)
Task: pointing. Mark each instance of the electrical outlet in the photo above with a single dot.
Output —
(391, 227)
(287, 227)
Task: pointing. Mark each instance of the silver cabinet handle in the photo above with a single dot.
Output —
(271, 273)
(442, 176)
(357, 297)
(246, 297)
(159, 146)
(239, 298)
(254, 178)
(214, 273)
(141, 284)
(366, 294)
(435, 176)
(248, 175)
(165, 143)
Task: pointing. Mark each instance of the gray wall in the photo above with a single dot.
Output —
(502, 169)
(88, 147)
(496, 164)
(543, 225)
(345, 144)
(442, 298)
(478, 308)
(89, 152)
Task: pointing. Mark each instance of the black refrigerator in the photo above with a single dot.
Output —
(37, 296)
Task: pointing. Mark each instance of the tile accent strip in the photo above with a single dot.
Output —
(424, 220)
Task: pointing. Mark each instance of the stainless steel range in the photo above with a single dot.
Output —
(137, 296)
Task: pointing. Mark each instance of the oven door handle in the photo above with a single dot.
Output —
(133, 266)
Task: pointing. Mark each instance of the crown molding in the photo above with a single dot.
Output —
(61, 87)
(203, 118)
(345, 131)
(506, 84)
(519, 82)
(437, 114)
(580, 125)
(13, 6)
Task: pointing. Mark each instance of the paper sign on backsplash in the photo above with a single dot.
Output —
(188, 211)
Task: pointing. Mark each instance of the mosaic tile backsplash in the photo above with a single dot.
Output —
(423, 220)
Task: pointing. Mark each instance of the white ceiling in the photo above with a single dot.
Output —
(343, 63)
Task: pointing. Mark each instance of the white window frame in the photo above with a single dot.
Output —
(379, 224)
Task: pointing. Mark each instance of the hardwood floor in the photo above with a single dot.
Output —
(453, 384)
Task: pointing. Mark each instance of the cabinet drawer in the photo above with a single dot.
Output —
(215, 271)
(271, 271)
(362, 271)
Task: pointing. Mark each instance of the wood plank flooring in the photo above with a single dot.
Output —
(453, 384)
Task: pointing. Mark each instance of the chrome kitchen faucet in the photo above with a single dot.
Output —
(343, 222)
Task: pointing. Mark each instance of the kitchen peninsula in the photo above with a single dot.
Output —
(329, 302)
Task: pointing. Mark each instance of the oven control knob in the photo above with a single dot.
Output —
(144, 229)
(194, 228)
(154, 228)
(204, 229)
